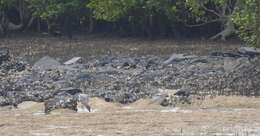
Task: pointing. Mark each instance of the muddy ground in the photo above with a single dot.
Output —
(34, 47)
(237, 116)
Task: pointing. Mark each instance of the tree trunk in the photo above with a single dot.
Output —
(9, 26)
(67, 26)
(91, 25)
(229, 29)
(148, 25)
(1, 30)
(38, 24)
(29, 24)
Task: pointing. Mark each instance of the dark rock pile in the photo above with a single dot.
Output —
(126, 79)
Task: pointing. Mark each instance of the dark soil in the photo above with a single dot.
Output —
(33, 47)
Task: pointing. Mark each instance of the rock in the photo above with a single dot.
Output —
(74, 60)
(69, 90)
(169, 97)
(249, 51)
(226, 54)
(83, 103)
(128, 79)
(65, 101)
(4, 101)
(67, 98)
(163, 97)
(46, 63)
(9, 64)
(178, 57)
(4, 55)
(182, 93)
(231, 64)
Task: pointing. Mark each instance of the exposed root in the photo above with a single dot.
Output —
(229, 29)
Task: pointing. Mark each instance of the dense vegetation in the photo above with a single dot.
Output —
(214, 19)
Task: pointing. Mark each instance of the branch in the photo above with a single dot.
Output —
(14, 27)
(197, 25)
(212, 11)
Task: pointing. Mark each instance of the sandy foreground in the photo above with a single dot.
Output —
(224, 118)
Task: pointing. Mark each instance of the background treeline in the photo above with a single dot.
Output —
(214, 19)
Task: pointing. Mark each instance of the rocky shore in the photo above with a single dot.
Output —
(126, 79)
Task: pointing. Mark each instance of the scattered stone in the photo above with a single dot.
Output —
(69, 90)
(65, 101)
(168, 97)
(83, 103)
(74, 60)
(126, 80)
(8, 64)
(183, 93)
(3, 101)
(226, 54)
(46, 63)
(178, 57)
(249, 51)
(4, 55)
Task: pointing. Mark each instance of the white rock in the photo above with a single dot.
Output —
(73, 61)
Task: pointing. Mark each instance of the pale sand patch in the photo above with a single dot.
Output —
(62, 111)
(145, 104)
(100, 105)
(138, 119)
(229, 102)
(29, 106)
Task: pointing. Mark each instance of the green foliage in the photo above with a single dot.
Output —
(208, 10)
(48, 9)
(111, 10)
(244, 13)
(247, 17)
(5, 3)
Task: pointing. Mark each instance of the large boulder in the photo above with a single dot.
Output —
(67, 98)
(65, 101)
(46, 63)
